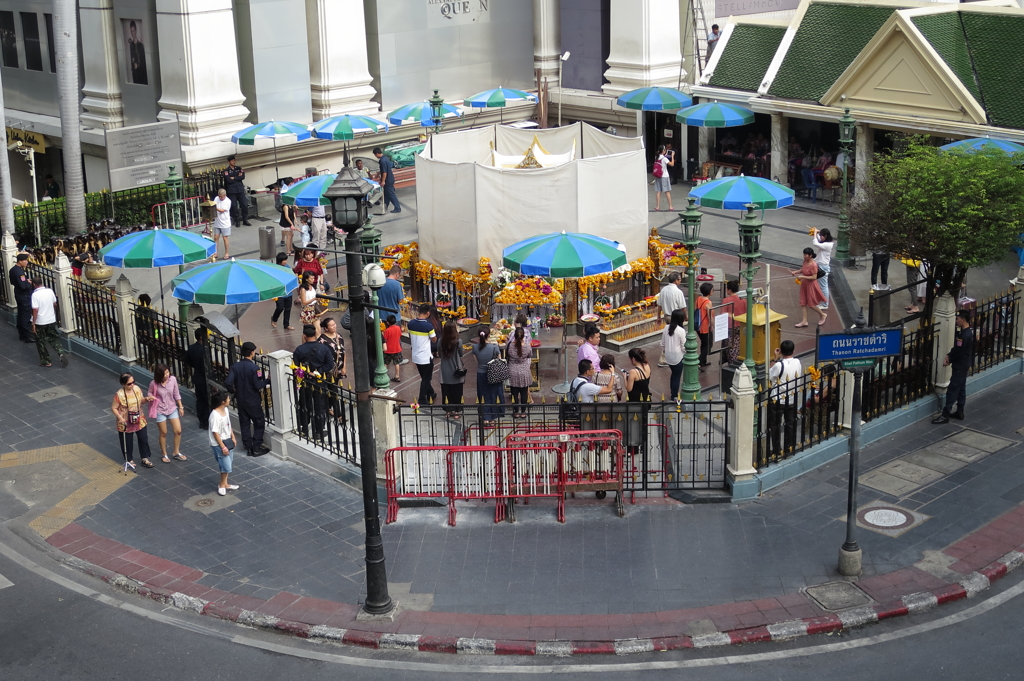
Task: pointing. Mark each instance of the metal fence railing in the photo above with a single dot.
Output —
(190, 213)
(162, 340)
(221, 353)
(96, 315)
(793, 416)
(899, 380)
(886, 308)
(49, 278)
(325, 414)
(993, 323)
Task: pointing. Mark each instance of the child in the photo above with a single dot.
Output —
(222, 438)
(284, 303)
(705, 322)
(304, 228)
(393, 346)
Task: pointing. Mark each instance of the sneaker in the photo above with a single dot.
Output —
(941, 419)
(405, 361)
(232, 487)
(221, 491)
(399, 210)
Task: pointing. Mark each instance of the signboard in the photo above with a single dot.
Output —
(140, 155)
(28, 138)
(730, 8)
(860, 344)
(858, 363)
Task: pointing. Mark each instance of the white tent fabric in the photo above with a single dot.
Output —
(468, 209)
(545, 160)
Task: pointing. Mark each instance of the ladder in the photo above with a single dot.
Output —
(700, 37)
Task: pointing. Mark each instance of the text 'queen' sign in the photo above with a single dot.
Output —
(859, 344)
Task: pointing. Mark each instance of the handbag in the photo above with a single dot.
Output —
(821, 273)
(497, 371)
(229, 443)
(460, 370)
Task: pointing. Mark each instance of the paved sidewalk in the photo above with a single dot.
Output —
(286, 550)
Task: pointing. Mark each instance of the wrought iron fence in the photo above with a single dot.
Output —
(882, 305)
(162, 340)
(221, 353)
(899, 380)
(190, 213)
(49, 279)
(795, 415)
(325, 415)
(96, 315)
(669, 446)
(993, 323)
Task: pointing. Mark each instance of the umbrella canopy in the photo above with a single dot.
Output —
(157, 248)
(654, 99)
(736, 192)
(983, 143)
(564, 255)
(715, 115)
(499, 96)
(421, 113)
(346, 127)
(234, 281)
(270, 130)
(310, 192)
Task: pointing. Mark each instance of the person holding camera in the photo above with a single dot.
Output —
(127, 408)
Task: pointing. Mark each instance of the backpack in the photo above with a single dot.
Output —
(574, 390)
(659, 169)
(571, 408)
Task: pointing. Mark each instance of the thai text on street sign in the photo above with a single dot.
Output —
(860, 344)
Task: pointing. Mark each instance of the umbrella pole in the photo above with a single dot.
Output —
(277, 171)
(182, 305)
(160, 272)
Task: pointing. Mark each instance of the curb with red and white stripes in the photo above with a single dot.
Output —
(968, 587)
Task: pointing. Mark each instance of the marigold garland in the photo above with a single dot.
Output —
(400, 254)
(464, 281)
(529, 291)
(644, 266)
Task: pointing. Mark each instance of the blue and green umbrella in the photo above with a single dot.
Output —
(654, 99)
(157, 248)
(564, 255)
(420, 112)
(715, 115)
(310, 192)
(346, 127)
(500, 96)
(734, 193)
(234, 281)
(984, 144)
(270, 130)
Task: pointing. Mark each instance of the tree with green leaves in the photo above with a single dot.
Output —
(952, 210)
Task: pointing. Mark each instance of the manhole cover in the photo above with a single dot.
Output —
(202, 503)
(889, 518)
(50, 393)
(838, 595)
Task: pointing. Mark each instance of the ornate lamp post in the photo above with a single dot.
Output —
(174, 185)
(348, 199)
(750, 250)
(374, 277)
(846, 129)
(435, 111)
(690, 223)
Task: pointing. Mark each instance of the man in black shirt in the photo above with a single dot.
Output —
(196, 356)
(313, 356)
(960, 358)
(247, 382)
(234, 185)
(23, 297)
(52, 188)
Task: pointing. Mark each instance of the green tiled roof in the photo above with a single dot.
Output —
(747, 55)
(946, 34)
(998, 63)
(828, 39)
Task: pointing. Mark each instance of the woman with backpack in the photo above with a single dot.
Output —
(489, 393)
(662, 183)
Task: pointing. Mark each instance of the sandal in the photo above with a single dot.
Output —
(45, 365)
(147, 463)
(822, 320)
(180, 457)
(165, 459)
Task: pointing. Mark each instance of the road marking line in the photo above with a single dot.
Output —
(4, 582)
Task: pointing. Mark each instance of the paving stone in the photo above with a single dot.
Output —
(838, 595)
(988, 443)
(934, 461)
(958, 451)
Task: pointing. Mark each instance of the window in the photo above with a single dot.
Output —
(8, 40)
(51, 46)
(33, 50)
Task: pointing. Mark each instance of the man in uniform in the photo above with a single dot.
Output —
(246, 381)
(234, 185)
(196, 356)
(23, 296)
(960, 357)
(313, 356)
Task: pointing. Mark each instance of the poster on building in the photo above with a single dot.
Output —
(134, 52)
(140, 155)
(732, 8)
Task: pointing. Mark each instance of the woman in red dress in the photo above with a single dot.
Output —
(810, 292)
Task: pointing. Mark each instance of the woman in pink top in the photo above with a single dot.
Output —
(166, 407)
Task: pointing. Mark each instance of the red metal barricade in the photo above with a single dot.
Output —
(535, 470)
(477, 473)
(415, 473)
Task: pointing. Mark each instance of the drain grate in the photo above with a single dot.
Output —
(203, 503)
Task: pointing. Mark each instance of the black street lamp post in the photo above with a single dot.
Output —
(348, 201)
(847, 125)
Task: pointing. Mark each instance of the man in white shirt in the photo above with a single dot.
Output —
(670, 299)
(784, 397)
(582, 387)
(318, 231)
(222, 223)
(44, 323)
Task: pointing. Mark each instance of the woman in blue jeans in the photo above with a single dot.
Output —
(673, 345)
(490, 393)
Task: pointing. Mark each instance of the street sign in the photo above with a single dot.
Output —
(858, 363)
(860, 344)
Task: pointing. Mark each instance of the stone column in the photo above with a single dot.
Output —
(703, 155)
(780, 149)
(1018, 339)
(944, 315)
(338, 68)
(124, 295)
(741, 421)
(199, 69)
(644, 45)
(101, 92)
(7, 257)
(547, 39)
(281, 390)
(864, 153)
(62, 276)
(385, 425)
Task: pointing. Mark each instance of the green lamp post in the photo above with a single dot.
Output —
(374, 277)
(174, 186)
(846, 129)
(750, 246)
(690, 223)
(435, 111)
(370, 239)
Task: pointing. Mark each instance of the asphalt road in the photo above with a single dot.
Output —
(56, 623)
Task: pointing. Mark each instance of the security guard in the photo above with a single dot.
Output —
(246, 381)
(313, 356)
(235, 186)
(960, 358)
(23, 296)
